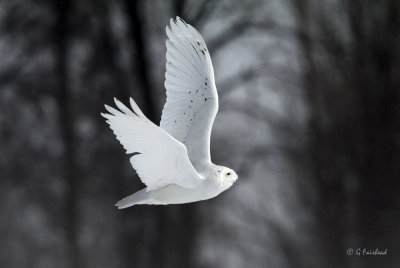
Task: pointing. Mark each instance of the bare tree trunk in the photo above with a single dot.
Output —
(376, 79)
(135, 10)
(326, 179)
(66, 120)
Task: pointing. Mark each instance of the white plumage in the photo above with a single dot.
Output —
(173, 160)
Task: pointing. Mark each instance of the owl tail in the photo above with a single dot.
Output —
(141, 197)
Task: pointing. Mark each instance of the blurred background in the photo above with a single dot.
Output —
(309, 118)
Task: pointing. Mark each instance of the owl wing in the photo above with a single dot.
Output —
(192, 99)
(159, 159)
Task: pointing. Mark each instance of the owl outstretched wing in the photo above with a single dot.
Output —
(192, 99)
(159, 159)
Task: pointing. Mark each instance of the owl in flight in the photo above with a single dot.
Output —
(173, 159)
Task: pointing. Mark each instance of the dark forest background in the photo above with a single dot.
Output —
(309, 118)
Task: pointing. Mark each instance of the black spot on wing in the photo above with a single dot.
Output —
(196, 50)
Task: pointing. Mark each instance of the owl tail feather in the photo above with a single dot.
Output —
(141, 197)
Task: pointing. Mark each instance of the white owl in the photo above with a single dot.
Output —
(173, 159)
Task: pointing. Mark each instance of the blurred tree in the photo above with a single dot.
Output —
(351, 89)
(66, 119)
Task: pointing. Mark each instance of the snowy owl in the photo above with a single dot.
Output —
(173, 159)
